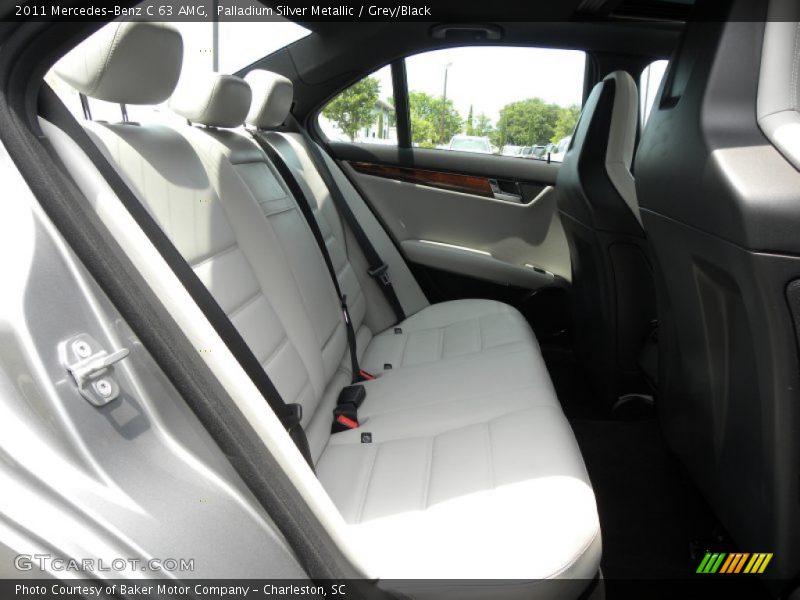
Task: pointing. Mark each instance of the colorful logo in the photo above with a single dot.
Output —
(737, 562)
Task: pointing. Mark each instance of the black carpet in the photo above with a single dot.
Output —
(650, 510)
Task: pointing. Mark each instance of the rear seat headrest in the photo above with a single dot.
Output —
(212, 99)
(126, 63)
(272, 99)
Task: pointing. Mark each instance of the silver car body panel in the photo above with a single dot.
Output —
(139, 478)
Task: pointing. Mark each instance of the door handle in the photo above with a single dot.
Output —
(505, 195)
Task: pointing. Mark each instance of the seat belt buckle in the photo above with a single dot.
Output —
(352, 394)
(293, 416)
(381, 273)
(346, 422)
(345, 417)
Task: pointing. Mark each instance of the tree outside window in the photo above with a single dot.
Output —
(354, 108)
(528, 117)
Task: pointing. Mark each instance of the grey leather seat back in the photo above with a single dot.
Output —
(227, 234)
(272, 98)
(719, 202)
(249, 184)
(613, 299)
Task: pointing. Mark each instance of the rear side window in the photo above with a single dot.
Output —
(242, 43)
(364, 112)
(515, 102)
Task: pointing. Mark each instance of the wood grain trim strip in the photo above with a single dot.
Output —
(468, 184)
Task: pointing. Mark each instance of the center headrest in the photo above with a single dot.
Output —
(126, 63)
(212, 99)
(272, 99)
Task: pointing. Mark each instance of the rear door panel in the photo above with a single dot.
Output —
(482, 216)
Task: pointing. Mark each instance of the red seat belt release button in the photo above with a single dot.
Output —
(346, 422)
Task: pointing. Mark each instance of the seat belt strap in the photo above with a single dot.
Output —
(304, 202)
(378, 269)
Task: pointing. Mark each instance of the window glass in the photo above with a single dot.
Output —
(363, 113)
(243, 43)
(649, 82)
(517, 102)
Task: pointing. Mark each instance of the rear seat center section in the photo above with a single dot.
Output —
(463, 465)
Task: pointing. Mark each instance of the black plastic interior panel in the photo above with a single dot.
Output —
(759, 212)
(721, 209)
(613, 299)
(730, 382)
(793, 298)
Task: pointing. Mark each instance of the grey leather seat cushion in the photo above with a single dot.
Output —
(449, 330)
(500, 492)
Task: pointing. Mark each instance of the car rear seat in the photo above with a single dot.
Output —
(450, 329)
(472, 471)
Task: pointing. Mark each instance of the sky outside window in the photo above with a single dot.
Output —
(488, 78)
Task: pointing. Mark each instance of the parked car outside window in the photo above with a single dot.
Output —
(560, 149)
(470, 143)
(511, 150)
